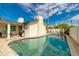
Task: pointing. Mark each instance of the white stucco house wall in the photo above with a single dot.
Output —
(54, 31)
(37, 28)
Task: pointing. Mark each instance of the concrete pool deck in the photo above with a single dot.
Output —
(5, 50)
(74, 47)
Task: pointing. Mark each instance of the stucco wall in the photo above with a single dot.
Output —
(74, 33)
(54, 31)
(32, 30)
(35, 30)
(41, 29)
(2, 27)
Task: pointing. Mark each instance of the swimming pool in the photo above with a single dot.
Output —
(50, 45)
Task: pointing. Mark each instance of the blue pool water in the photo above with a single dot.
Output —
(50, 45)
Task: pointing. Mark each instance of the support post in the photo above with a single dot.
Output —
(8, 31)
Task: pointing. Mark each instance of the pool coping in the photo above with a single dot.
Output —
(72, 46)
(23, 38)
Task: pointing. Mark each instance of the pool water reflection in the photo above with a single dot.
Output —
(50, 45)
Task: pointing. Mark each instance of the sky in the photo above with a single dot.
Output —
(58, 13)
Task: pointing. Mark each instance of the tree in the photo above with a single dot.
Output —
(64, 25)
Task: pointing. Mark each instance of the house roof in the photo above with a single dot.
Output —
(8, 22)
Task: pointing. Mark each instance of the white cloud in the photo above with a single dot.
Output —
(72, 7)
(59, 13)
(75, 17)
(42, 9)
(27, 7)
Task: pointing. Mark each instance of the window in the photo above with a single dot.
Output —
(13, 28)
